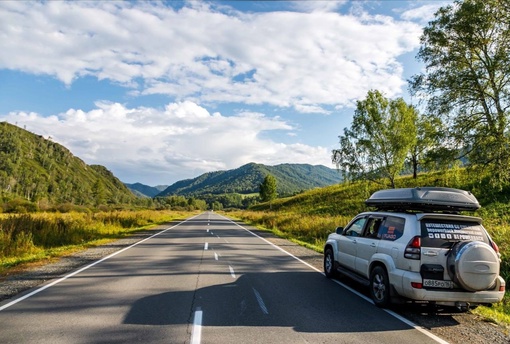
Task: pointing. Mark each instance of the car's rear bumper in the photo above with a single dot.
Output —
(447, 295)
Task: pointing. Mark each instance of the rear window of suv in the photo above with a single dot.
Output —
(441, 233)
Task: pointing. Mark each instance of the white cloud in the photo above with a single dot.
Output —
(423, 13)
(161, 146)
(286, 59)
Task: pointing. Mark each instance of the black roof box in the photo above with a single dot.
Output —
(424, 199)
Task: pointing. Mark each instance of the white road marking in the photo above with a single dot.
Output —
(206, 246)
(262, 305)
(196, 335)
(37, 291)
(215, 256)
(232, 273)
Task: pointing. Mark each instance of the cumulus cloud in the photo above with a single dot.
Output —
(211, 54)
(160, 146)
(423, 13)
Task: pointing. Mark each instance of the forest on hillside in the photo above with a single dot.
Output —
(42, 172)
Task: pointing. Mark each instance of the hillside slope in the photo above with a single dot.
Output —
(142, 190)
(35, 168)
(291, 178)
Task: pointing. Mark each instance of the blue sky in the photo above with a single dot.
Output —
(158, 92)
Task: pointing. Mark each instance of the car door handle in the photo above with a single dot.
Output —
(373, 244)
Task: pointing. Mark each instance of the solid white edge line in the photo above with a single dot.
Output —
(196, 334)
(37, 291)
(395, 315)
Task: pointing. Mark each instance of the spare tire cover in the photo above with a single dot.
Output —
(473, 265)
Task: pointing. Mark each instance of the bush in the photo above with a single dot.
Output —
(19, 206)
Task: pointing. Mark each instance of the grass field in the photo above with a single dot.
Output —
(29, 238)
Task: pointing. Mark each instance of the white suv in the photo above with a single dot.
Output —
(417, 247)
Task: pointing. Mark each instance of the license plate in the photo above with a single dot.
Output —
(437, 284)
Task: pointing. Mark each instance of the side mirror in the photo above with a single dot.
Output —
(339, 230)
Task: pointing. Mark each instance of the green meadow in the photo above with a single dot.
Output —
(34, 238)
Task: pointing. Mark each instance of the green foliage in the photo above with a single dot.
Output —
(37, 169)
(382, 135)
(216, 206)
(268, 189)
(20, 206)
(430, 134)
(466, 51)
(180, 203)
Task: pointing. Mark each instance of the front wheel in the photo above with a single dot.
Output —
(380, 287)
(329, 263)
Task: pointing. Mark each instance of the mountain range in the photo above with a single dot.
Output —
(291, 179)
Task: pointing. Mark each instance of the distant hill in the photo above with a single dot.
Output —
(142, 190)
(291, 179)
(38, 169)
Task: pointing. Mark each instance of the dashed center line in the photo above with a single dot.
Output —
(206, 246)
(196, 335)
(262, 305)
(232, 273)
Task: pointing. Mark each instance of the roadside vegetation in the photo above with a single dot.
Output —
(39, 237)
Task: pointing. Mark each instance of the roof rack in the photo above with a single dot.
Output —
(424, 199)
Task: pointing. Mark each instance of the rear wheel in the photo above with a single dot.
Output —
(380, 287)
(329, 263)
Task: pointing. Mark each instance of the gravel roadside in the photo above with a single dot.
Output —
(456, 328)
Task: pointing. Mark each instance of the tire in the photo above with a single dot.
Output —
(380, 287)
(329, 263)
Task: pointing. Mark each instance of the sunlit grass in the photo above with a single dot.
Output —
(498, 313)
(28, 239)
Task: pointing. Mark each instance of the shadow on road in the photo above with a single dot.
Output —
(304, 301)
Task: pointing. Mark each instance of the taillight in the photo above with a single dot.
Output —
(416, 285)
(494, 246)
(413, 249)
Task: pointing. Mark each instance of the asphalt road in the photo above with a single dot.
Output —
(203, 280)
